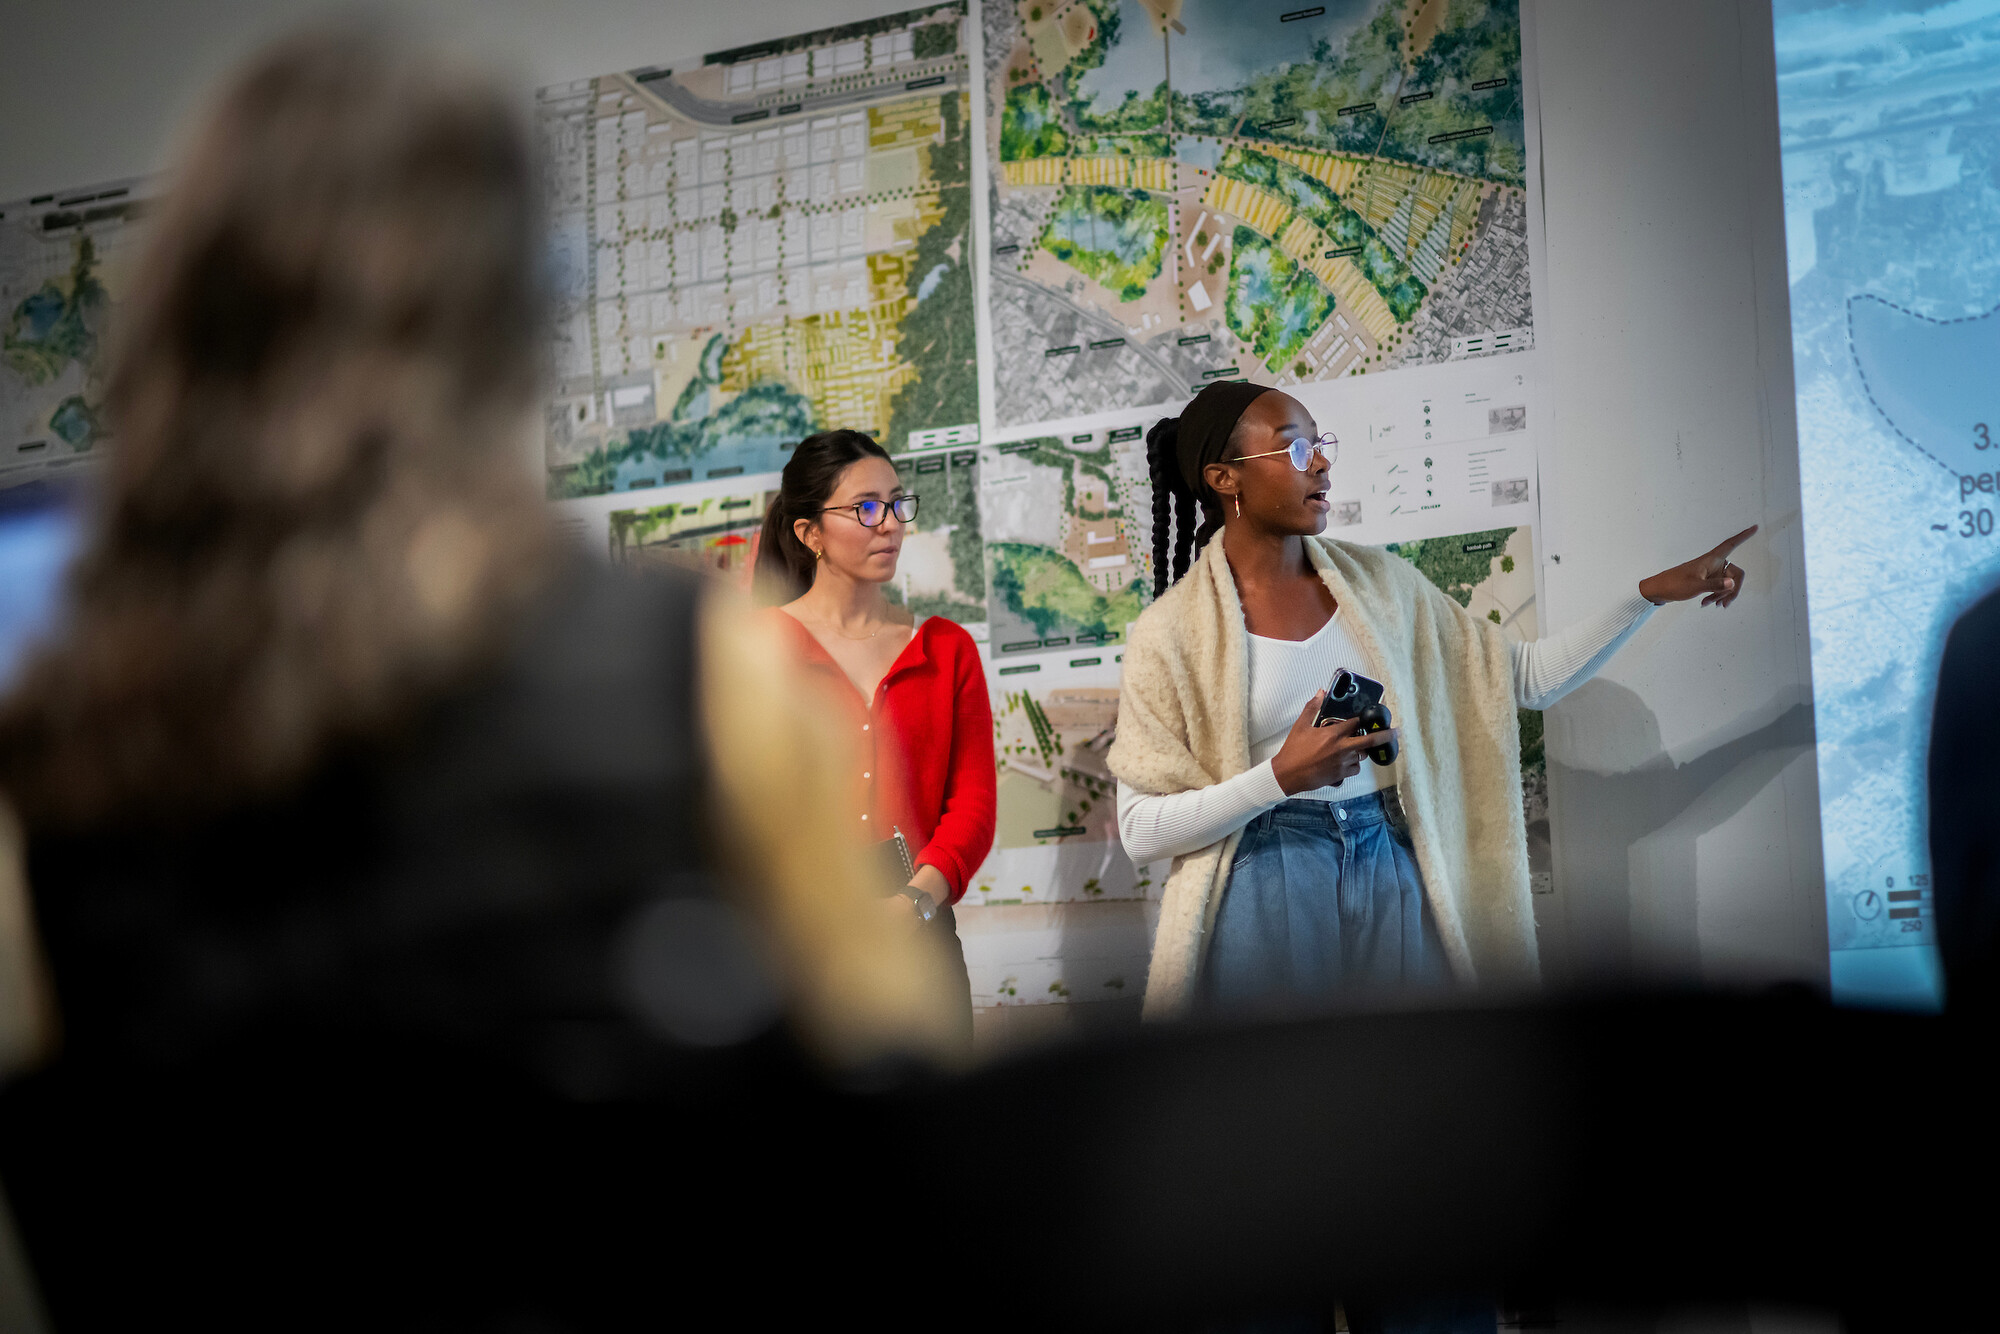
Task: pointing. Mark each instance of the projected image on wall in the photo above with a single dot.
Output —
(1889, 117)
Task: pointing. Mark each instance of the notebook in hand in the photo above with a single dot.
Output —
(891, 860)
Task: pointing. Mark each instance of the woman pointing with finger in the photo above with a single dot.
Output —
(1301, 870)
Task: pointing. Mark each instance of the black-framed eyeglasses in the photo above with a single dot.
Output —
(1301, 451)
(870, 513)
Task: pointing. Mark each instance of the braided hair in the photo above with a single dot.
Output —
(1178, 450)
(1200, 510)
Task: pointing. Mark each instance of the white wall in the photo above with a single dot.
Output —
(1686, 839)
(94, 90)
(1685, 799)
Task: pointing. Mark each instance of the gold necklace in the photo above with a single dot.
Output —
(829, 623)
(853, 639)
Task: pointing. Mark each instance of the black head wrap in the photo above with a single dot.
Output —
(1178, 449)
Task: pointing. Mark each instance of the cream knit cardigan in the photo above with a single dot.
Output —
(1183, 723)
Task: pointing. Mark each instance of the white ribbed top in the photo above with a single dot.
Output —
(1285, 673)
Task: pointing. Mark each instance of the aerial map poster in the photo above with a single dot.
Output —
(1067, 521)
(760, 244)
(1062, 914)
(1189, 190)
(1889, 121)
(60, 260)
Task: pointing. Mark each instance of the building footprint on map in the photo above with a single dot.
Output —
(1067, 525)
(1933, 380)
(756, 246)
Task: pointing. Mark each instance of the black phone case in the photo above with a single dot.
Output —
(1332, 710)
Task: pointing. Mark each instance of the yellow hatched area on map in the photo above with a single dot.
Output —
(848, 362)
(1308, 244)
(1408, 203)
(1423, 216)
(1124, 173)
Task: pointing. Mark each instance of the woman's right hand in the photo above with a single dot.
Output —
(1315, 757)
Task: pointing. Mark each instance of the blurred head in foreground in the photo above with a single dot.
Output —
(314, 513)
(333, 742)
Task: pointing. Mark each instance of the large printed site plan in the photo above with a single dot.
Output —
(766, 243)
(1191, 190)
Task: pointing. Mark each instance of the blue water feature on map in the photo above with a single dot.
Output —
(931, 280)
(1081, 225)
(730, 458)
(1198, 152)
(1889, 133)
(1230, 42)
(1937, 382)
(40, 311)
(1135, 63)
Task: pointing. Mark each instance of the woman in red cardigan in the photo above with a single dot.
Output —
(912, 688)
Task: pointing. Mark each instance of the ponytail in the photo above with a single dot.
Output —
(784, 567)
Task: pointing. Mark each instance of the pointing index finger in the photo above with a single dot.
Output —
(1724, 548)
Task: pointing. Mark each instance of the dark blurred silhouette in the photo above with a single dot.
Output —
(312, 522)
(1964, 772)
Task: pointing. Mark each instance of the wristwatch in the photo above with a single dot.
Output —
(921, 900)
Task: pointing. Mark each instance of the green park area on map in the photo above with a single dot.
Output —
(1186, 187)
(1492, 575)
(1065, 544)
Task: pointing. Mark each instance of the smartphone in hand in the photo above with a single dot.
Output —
(1352, 695)
(1347, 695)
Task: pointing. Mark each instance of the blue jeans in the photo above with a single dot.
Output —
(1324, 900)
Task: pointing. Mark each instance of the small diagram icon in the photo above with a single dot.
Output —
(1868, 905)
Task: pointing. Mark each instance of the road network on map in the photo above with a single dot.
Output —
(754, 247)
(1190, 190)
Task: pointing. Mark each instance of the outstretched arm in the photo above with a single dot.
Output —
(1547, 669)
(1711, 576)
